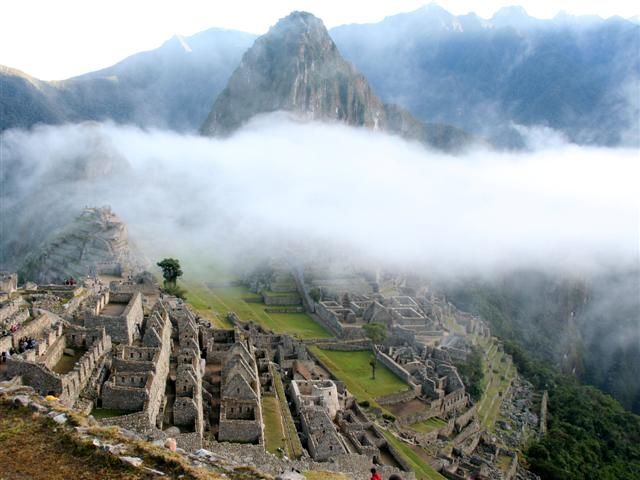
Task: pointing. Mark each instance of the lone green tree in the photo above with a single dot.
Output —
(170, 271)
(377, 334)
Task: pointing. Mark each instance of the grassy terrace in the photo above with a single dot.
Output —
(354, 370)
(290, 437)
(215, 302)
(422, 469)
(489, 404)
(273, 430)
(428, 425)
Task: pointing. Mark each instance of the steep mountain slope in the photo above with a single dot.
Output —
(296, 67)
(579, 75)
(172, 86)
(587, 326)
(574, 74)
(25, 100)
(96, 242)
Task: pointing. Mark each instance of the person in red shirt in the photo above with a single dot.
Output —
(375, 475)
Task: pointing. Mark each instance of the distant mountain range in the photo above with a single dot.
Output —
(578, 75)
(173, 86)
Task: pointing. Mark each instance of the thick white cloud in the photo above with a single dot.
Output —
(279, 183)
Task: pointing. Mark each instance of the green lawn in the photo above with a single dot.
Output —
(99, 413)
(422, 469)
(274, 435)
(354, 370)
(294, 447)
(220, 300)
(428, 425)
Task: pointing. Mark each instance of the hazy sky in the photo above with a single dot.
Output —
(62, 38)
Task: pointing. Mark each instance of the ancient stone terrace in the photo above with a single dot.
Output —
(120, 314)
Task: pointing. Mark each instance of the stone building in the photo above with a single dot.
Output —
(43, 366)
(187, 406)
(319, 433)
(322, 393)
(120, 314)
(139, 373)
(8, 282)
(240, 404)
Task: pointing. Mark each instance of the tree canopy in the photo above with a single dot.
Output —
(170, 270)
(376, 332)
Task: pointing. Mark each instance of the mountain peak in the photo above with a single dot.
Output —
(296, 67)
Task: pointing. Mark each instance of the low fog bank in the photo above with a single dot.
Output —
(281, 184)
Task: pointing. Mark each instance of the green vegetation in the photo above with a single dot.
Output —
(422, 469)
(274, 435)
(354, 370)
(428, 425)
(170, 270)
(498, 373)
(472, 373)
(293, 445)
(221, 300)
(589, 434)
(99, 413)
(175, 290)
(202, 301)
(375, 331)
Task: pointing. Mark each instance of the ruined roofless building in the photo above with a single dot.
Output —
(121, 315)
(240, 406)
(139, 373)
(41, 367)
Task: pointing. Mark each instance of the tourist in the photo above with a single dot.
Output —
(375, 475)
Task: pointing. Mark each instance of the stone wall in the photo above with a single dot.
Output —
(462, 420)
(394, 398)
(8, 282)
(388, 362)
(66, 387)
(54, 353)
(43, 380)
(284, 309)
(292, 299)
(35, 327)
(149, 396)
(118, 397)
(121, 328)
(354, 466)
(328, 319)
(240, 431)
(347, 347)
